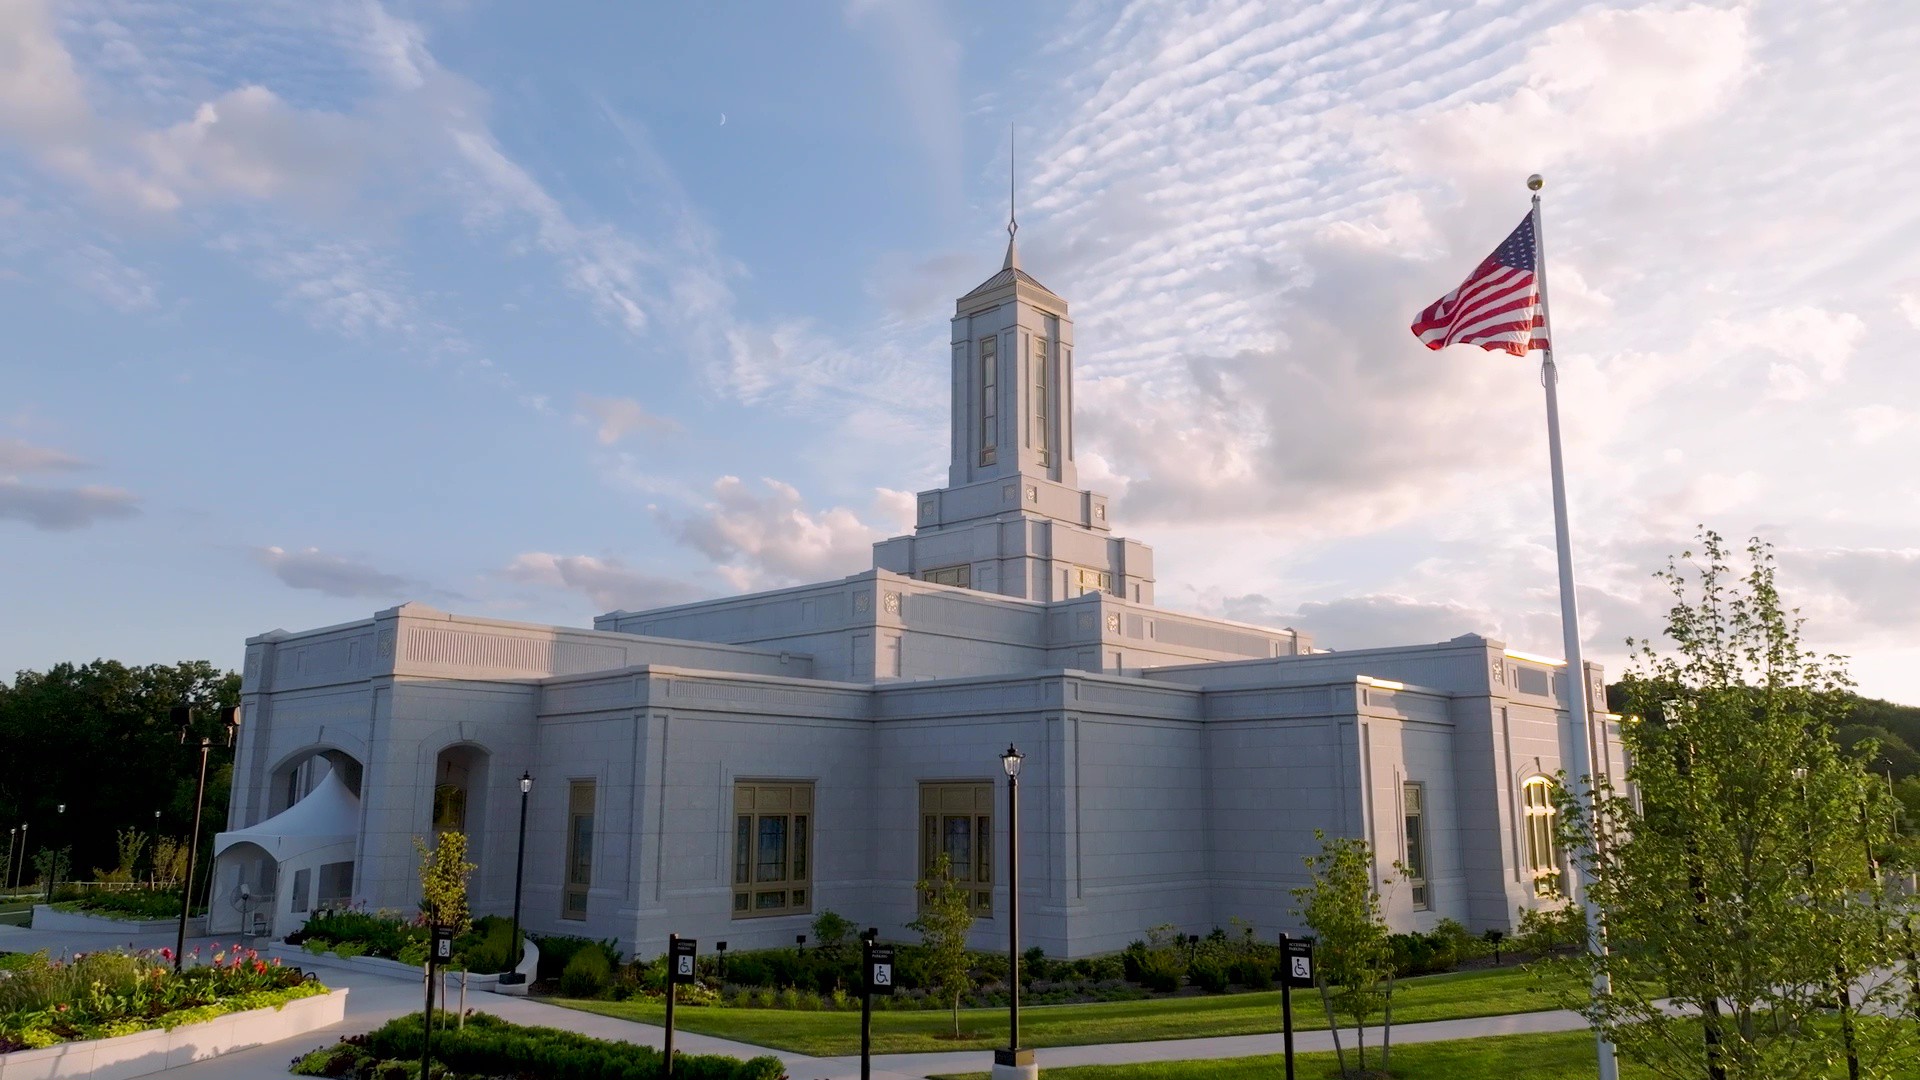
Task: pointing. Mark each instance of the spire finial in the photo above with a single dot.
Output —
(1013, 221)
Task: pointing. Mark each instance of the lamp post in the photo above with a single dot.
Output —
(53, 863)
(6, 879)
(183, 716)
(1013, 1061)
(512, 976)
(21, 876)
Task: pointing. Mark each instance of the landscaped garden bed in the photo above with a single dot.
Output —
(132, 904)
(46, 1003)
(486, 1047)
(484, 949)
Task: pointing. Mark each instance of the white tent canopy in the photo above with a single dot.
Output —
(265, 875)
(329, 815)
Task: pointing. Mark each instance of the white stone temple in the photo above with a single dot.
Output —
(729, 769)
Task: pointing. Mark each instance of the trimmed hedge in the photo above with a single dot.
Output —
(489, 1046)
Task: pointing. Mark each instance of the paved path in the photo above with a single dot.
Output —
(374, 999)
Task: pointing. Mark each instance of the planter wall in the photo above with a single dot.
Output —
(295, 956)
(50, 918)
(151, 1051)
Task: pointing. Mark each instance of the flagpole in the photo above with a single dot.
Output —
(1577, 710)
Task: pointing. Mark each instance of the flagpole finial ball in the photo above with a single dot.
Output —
(1535, 182)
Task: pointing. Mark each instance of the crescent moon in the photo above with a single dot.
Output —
(723, 119)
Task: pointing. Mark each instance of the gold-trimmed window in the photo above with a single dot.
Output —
(961, 575)
(989, 398)
(579, 878)
(956, 818)
(1413, 798)
(1042, 408)
(1543, 860)
(1086, 581)
(772, 848)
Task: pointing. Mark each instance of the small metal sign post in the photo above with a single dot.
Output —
(680, 956)
(1297, 955)
(877, 965)
(439, 951)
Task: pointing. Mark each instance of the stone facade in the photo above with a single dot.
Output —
(1176, 766)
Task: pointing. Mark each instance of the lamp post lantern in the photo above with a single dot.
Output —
(1013, 1061)
(512, 976)
(53, 863)
(183, 716)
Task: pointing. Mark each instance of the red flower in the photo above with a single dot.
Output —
(167, 955)
(259, 967)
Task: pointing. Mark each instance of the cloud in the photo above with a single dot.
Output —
(62, 509)
(619, 417)
(1599, 82)
(608, 582)
(923, 58)
(765, 537)
(17, 456)
(1857, 594)
(333, 575)
(1370, 621)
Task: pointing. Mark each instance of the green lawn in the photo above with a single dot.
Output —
(833, 1034)
(1503, 1057)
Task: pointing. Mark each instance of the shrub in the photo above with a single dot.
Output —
(1551, 930)
(831, 931)
(1253, 972)
(486, 948)
(557, 951)
(1209, 974)
(587, 974)
(489, 1046)
(1160, 971)
(1033, 964)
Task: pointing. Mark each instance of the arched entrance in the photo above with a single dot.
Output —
(459, 795)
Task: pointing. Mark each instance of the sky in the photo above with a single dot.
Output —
(538, 311)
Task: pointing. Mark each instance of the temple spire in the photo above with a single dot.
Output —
(1013, 223)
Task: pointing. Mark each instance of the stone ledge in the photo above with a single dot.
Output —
(146, 1052)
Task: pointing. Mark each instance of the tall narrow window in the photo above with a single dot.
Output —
(1042, 408)
(772, 841)
(1543, 862)
(449, 809)
(1413, 803)
(956, 819)
(579, 849)
(989, 398)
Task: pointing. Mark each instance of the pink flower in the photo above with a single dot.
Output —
(276, 961)
(167, 955)
(61, 1007)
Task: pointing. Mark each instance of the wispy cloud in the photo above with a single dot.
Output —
(766, 536)
(609, 583)
(613, 419)
(20, 456)
(62, 509)
(334, 575)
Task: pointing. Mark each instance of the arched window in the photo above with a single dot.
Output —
(1543, 861)
(449, 808)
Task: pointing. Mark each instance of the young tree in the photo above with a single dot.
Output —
(443, 880)
(943, 926)
(1353, 961)
(1735, 875)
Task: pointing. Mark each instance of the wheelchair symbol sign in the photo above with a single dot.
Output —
(1303, 969)
(686, 965)
(883, 974)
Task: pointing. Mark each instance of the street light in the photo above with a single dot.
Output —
(21, 877)
(183, 717)
(512, 976)
(1013, 1061)
(53, 863)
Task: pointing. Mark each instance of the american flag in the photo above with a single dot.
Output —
(1497, 307)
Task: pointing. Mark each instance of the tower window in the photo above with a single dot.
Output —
(1543, 862)
(1086, 581)
(961, 575)
(1041, 406)
(989, 398)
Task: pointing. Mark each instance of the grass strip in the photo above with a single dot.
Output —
(1453, 996)
(1500, 1057)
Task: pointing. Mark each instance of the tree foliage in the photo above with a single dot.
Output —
(943, 925)
(443, 881)
(1734, 875)
(100, 739)
(1353, 958)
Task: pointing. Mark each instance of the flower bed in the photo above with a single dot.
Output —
(487, 1046)
(45, 1002)
(138, 904)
